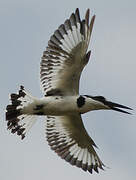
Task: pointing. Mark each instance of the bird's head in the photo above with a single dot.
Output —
(110, 105)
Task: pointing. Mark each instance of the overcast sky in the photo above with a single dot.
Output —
(25, 28)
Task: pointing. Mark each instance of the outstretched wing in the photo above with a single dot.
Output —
(68, 138)
(66, 55)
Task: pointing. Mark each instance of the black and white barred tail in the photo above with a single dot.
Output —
(18, 122)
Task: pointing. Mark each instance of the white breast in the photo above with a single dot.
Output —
(56, 105)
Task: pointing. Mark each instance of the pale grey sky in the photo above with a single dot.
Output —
(25, 28)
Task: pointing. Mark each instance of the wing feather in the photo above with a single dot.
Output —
(65, 56)
(67, 136)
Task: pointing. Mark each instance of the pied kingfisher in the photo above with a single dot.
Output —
(60, 70)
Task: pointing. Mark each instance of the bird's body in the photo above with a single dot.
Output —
(61, 66)
(60, 106)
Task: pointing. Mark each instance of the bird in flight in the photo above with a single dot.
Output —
(61, 66)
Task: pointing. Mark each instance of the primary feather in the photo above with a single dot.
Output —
(65, 56)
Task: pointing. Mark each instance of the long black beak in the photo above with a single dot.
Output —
(116, 107)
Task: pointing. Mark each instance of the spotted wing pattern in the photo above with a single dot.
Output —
(66, 55)
(68, 138)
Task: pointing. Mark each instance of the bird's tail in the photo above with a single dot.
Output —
(17, 120)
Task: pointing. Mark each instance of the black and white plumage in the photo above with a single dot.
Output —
(61, 67)
(65, 56)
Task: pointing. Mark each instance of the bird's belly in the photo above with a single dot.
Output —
(60, 106)
(59, 109)
(57, 106)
